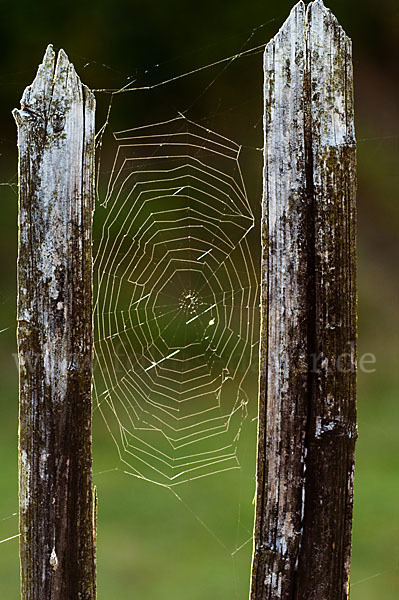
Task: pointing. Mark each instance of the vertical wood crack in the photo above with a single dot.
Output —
(307, 409)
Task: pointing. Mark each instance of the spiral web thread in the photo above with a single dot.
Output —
(175, 305)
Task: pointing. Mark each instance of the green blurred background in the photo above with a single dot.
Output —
(150, 543)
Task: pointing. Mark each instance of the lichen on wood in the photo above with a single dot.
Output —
(55, 338)
(307, 406)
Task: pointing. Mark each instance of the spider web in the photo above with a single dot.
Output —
(176, 294)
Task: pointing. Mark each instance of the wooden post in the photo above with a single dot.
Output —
(307, 406)
(56, 195)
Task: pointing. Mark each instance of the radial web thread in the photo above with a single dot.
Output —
(176, 294)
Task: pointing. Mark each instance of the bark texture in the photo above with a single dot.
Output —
(56, 195)
(307, 405)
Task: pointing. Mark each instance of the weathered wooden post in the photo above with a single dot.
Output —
(56, 195)
(307, 412)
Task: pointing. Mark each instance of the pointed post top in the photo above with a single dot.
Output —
(54, 88)
(304, 17)
(317, 8)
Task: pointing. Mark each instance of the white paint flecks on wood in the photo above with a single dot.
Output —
(56, 195)
(307, 407)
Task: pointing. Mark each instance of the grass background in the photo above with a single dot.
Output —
(151, 544)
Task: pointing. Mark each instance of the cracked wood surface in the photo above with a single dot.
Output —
(307, 403)
(56, 195)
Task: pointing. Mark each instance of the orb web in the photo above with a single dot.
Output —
(176, 292)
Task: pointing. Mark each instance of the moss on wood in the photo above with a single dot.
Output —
(55, 339)
(307, 406)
